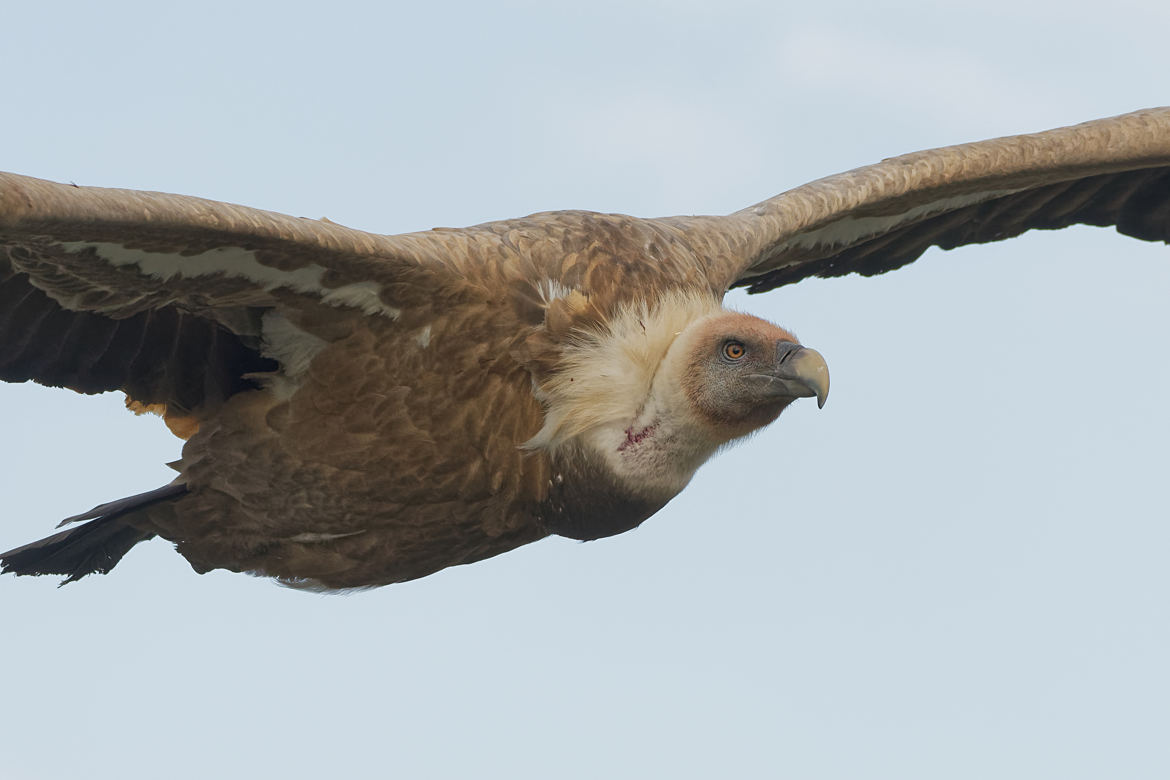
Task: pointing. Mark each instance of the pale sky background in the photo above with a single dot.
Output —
(957, 569)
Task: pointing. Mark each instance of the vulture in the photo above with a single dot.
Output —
(363, 409)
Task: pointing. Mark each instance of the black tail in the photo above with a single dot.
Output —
(93, 547)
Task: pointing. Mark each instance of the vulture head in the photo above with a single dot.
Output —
(640, 405)
(739, 372)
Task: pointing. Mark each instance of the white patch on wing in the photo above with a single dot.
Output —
(309, 537)
(550, 290)
(423, 336)
(850, 230)
(241, 264)
(360, 295)
(287, 344)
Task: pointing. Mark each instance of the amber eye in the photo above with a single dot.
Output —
(733, 350)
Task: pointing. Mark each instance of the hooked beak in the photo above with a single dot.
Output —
(800, 373)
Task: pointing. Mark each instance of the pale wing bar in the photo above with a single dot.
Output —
(162, 295)
(1106, 172)
(1137, 203)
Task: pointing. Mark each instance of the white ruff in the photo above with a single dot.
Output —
(604, 377)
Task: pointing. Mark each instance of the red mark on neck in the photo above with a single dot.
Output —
(633, 437)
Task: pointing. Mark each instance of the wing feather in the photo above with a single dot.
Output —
(874, 219)
(163, 296)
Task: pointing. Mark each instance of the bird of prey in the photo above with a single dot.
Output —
(363, 409)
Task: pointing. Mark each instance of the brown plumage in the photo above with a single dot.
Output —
(365, 409)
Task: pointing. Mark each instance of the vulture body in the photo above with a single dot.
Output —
(363, 409)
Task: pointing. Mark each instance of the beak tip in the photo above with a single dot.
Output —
(816, 373)
(802, 373)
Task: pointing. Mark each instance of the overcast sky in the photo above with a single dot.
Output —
(956, 569)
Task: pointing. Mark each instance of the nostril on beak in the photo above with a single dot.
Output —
(785, 350)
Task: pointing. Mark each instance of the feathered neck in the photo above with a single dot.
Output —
(604, 376)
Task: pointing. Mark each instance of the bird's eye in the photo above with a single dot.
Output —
(733, 350)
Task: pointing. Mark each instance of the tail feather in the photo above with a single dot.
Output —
(95, 546)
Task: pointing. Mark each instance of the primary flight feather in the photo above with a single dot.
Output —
(363, 409)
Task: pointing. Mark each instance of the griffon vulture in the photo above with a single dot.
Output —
(363, 409)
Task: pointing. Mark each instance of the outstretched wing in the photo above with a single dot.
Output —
(165, 296)
(874, 219)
